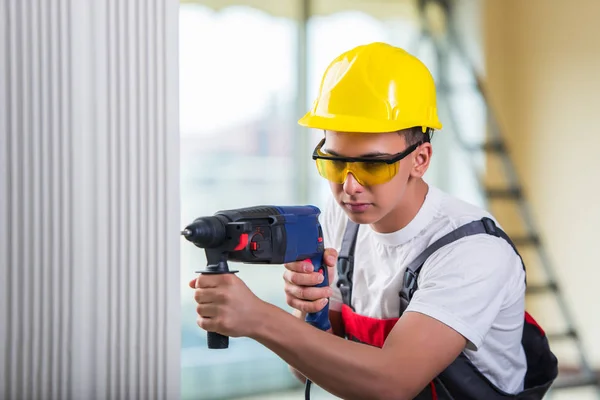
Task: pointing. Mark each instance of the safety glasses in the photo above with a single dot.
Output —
(366, 170)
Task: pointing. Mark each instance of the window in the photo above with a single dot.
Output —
(237, 102)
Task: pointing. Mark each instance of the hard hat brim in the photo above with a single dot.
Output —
(360, 125)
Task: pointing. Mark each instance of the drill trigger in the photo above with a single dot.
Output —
(243, 242)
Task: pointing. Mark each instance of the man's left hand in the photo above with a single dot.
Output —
(226, 305)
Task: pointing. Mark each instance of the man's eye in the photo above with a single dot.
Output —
(372, 165)
(338, 164)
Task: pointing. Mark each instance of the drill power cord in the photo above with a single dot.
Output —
(307, 389)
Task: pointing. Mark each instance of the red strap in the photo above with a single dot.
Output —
(368, 330)
(529, 319)
(434, 395)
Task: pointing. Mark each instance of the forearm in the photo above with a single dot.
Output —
(346, 369)
(301, 316)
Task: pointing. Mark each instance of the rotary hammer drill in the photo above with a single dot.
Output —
(261, 235)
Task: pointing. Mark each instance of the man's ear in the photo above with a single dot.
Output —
(421, 159)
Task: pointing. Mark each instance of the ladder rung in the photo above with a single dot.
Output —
(542, 288)
(504, 193)
(494, 146)
(575, 380)
(568, 334)
(529, 240)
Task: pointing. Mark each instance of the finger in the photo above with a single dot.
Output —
(207, 295)
(330, 257)
(307, 293)
(300, 266)
(208, 324)
(331, 271)
(303, 279)
(306, 306)
(207, 310)
(207, 281)
(192, 283)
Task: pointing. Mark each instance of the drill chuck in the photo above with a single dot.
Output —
(206, 232)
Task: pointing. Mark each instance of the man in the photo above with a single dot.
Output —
(377, 109)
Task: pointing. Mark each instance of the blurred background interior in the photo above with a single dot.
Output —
(108, 105)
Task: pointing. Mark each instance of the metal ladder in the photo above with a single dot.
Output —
(444, 42)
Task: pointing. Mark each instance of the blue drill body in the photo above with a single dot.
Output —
(261, 235)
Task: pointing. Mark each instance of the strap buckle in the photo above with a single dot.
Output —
(490, 227)
(344, 281)
(409, 287)
(343, 265)
(410, 284)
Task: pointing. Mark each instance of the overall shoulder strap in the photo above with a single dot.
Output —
(345, 262)
(484, 225)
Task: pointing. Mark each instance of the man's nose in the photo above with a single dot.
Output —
(351, 185)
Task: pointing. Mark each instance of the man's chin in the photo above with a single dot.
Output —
(363, 218)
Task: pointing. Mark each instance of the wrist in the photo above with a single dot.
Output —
(264, 314)
(301, 315)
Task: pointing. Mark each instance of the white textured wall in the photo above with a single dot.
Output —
(89, 200)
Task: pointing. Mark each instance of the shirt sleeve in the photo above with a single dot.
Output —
(465, 285)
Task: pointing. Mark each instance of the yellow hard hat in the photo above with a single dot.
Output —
(374, 88)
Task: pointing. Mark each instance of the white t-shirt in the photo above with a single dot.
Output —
(475, 285)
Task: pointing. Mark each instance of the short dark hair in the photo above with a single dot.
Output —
(415, 135)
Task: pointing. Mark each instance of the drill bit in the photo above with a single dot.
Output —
(186, 232)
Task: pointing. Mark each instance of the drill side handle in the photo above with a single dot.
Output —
(320, 319)
(217, 264)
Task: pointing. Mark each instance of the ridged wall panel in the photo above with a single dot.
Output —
(89, 202)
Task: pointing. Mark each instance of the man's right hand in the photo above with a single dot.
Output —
(301, 294)
(300, 280)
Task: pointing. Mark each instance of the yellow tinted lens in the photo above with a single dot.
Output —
(373, 173)
(366, 173)
(334, 171)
